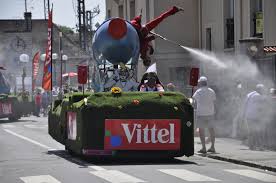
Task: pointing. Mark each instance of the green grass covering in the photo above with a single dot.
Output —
(106, 99)
(5, 97)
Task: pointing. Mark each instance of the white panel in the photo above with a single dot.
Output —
(39, 179)
(254, 174)
(97, 168)
(116, 176)
(187, 175)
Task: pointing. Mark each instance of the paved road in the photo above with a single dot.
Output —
(29, 155)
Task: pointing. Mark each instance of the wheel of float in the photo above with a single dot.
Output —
(69, 150)
(14, 118)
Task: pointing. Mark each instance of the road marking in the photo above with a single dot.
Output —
(115, 176)
(36, 126)
(254, 174)
(39, 179)
(8, 126)
(27, 139)
(97, 168)
(187, 175)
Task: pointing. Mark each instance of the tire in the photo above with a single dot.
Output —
(14, 118)
(69, 151)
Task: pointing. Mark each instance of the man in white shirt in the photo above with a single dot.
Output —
(205, 109)
(254, 114)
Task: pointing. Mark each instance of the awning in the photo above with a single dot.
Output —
(70, 74)
(269, 49)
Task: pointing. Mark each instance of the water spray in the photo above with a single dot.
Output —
(197, 53)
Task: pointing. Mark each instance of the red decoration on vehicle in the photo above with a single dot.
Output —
(142, 134)
(136, 102)
(82, 74)
(117, 28)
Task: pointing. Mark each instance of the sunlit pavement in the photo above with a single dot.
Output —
(235, 151)
(30, 155)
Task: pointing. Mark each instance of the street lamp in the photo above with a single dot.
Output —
(64, 58)
(42, 57)
(54, 57)
(24, 58)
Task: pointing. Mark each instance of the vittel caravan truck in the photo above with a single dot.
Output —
(117, 121)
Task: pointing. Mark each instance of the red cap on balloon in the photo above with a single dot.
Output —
(117, 28)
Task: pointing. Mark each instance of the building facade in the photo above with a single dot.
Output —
(28, 37)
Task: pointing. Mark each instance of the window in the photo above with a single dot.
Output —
(132, 9)
(148, 10)
(108, 13)
(208, 39)
(259, 5)
(121, 11)
(229, 24)
(229, 33)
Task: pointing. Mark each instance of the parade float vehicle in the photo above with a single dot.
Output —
(11, 106)
(120, 123)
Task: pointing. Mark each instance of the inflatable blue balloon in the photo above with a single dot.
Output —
(116, 41)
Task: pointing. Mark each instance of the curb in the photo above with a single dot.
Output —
(240, 162)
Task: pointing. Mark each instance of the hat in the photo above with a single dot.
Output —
(259, 86)
(152, 68)
(272, 91)
(202, 78)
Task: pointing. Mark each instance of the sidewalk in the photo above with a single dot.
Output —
(234, 151)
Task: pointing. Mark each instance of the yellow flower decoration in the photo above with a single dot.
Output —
(176, 108)
(116, 91)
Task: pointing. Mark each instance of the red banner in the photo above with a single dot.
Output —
(47, 74)
(82, 74)
(194, 76)
(35, 68)
(142, 134)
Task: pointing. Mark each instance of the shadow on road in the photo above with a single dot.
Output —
(5, 121)
(108, 161)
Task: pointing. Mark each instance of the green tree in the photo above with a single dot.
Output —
(65, 29)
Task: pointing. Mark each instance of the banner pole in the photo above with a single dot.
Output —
(82, 90)
(51, 96)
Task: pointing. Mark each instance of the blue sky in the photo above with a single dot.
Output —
(64, 10)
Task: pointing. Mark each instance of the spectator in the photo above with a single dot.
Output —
(270, 134)
(205, 109)
(237, 102)
(171, 87)
(150, 82)
(37, 104)
(45, 103)
(253, 115)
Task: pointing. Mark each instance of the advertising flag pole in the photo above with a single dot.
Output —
(51, 95)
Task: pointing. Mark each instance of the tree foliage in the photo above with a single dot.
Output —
(65, 29)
